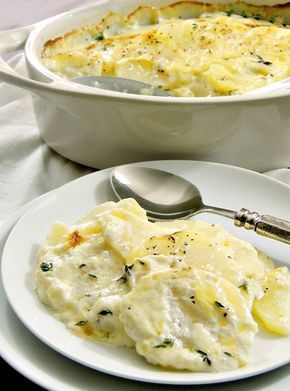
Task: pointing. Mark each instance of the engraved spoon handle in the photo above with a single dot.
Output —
(265, 225)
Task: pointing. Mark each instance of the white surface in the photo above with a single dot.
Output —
(219, 185)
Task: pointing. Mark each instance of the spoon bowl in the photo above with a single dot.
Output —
(120, 84)
(166, 196)
(162, 194)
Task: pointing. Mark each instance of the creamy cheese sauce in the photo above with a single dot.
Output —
(178, 49)
(183, 293)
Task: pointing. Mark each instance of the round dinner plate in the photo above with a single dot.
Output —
(220, 185)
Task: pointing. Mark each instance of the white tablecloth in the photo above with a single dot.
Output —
(28, 167)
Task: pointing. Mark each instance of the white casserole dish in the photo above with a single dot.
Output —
(102, 128)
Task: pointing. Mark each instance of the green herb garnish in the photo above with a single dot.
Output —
(230, 12)
(261, 60)
(46, 266)
(123, 279)
(82, 265)
(204, 357)
(218, 304)
(81, 323)
(100, 37)
(128, 269)
(167, 343)
(244, 287)
(105, 312)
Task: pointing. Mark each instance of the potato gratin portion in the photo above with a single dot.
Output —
(187, 48)
(183, 293)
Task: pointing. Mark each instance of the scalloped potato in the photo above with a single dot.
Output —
(183, 293)
(188, 49)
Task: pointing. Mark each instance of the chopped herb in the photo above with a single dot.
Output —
(123, 278)
(105, 312)
(81, 323)
(167, 343)
(127, 273)
(228, 354)
(92, 275)
(218, 304)
(230, 12)
(128, 269)
(100, 37)
(46, 266)
(82, 265)
(141, 262)
(204, 357)
(261, 60)
(244, 287)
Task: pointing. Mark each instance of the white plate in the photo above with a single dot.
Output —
(55, 372)
(220, 185)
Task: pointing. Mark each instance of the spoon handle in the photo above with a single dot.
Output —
(265, 225)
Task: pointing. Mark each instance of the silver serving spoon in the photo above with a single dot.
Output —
(166, 196)
(120, 84)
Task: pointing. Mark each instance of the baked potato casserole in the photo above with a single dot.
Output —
(186, 294)
(187, 48)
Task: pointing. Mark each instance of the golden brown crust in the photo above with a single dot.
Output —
(278, 14)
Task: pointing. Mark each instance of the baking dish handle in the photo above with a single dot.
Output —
(9, 75)
(15, 39)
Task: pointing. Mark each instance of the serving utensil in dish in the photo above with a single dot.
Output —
(120, 84)
(112, 128)
(166, 196)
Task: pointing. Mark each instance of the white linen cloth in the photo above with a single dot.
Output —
(28, 167)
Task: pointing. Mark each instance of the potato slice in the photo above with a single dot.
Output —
(273, 309)
(212, 248)
(189, 319)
